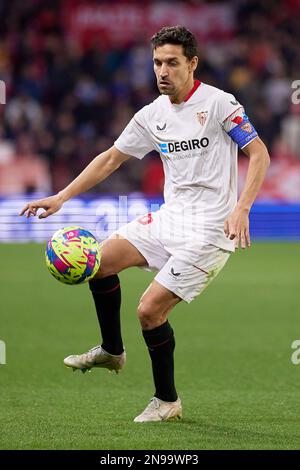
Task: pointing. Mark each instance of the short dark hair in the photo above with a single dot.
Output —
(177, 35)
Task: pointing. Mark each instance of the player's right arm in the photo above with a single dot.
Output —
(98, 170)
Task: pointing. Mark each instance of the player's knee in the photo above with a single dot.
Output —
(108, 267)
(143, 311)
(148, 315)
(144, 314)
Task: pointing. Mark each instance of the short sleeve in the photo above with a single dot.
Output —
(135, 139)
(234, 120)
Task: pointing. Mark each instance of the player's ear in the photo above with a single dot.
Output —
(194, 63)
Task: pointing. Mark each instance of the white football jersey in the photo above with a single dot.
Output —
(198, 144)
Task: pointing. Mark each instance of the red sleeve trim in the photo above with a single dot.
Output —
(232, 113)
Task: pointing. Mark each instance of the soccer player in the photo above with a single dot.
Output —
(197, 129)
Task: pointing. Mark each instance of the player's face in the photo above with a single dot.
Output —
(173, 70)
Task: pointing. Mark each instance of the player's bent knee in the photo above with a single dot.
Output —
(149, 316)
(142, 311)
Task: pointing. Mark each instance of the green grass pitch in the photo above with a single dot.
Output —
(234, 373)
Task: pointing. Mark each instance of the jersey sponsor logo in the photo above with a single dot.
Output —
(234, 102)
(202, 116)
(161, 128)
(193, 144)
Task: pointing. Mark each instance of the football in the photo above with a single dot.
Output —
(73, 255)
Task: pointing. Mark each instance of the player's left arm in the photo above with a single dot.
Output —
(236, 227)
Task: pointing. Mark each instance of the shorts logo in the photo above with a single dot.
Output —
(202, 116)
(173, 272)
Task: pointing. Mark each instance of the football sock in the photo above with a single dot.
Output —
(161, 344)
(107, 297)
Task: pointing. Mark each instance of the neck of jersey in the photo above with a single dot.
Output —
(197, 83)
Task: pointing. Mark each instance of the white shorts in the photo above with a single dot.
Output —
(178, 271)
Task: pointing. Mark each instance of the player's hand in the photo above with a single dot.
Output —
(51, 205)
(236, 228)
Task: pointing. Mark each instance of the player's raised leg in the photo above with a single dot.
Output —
(154, 307)
(117, 254)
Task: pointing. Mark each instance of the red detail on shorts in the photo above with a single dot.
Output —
(146, 219)
(200, 269)
(197, 83)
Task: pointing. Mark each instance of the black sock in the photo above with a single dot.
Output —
(107, 297)
(161, 345)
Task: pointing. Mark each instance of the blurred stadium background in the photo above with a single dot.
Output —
(75, 72)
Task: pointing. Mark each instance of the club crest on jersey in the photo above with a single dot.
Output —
(202, 116)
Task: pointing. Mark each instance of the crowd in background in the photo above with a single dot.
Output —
(65, 105)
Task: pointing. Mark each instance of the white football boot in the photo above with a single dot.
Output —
(96, 357)
(159, 410)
